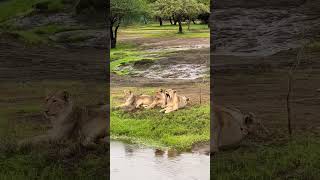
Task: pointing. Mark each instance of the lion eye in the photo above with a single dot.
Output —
(54, 101)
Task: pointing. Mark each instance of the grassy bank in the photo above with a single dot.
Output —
(20, 117)
(179, 130)
(298, 159)
(126, 54)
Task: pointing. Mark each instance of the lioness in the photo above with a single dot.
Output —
(174, 101)
(70, 122)
(230, 126)
(135, 101)
(160, 99)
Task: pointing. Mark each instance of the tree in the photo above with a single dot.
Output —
(124, 11)
(179, 10)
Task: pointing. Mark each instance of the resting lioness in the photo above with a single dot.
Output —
(135, 101)
(160, 99)
(230, 126)
(70, 122)
(174, 101)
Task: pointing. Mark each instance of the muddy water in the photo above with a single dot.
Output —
(176, 71)
(134, 162)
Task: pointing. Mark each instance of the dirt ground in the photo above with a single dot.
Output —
(260, 84)
(20, 62)
(188, 50)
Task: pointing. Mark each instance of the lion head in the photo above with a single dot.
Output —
(170, 93)
(56, 104)
(251, 124)
(161, 98)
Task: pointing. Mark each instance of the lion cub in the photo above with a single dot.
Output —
(70, 122)
(174, 101)
(136, 101)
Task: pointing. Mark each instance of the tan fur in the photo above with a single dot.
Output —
(174, 101)
(136, 101)
(70, 122)
(231, 126)
(160, 99)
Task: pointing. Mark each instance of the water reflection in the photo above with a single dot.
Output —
(139, 163)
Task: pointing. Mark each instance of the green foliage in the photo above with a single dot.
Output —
(126, 10)
(298, 159)
(179, 8)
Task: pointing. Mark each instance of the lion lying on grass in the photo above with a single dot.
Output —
(168, 99)
(231, 126)
(135, 101)
(70, 122)
(174, 101)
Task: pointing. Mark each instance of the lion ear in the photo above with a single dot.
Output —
(174, 91)
(66, 95)
(161, 90)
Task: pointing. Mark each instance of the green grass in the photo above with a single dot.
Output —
(125, 54)
(179, 130)
(168, 31)
(47, 163)
(298, 159)
(14, 8)
(315, 46)
(41, 34)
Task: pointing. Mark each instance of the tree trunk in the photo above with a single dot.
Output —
(174, 20)
(160, 21)
(193, 21)
(189, 22)
(145, 20)
(113, 36)
(180, 26)
(171, 21)
(113, 43)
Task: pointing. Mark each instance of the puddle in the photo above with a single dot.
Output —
(134, 162)
(176, 71)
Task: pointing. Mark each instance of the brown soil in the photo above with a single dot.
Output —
(19, 62)
(260, 85)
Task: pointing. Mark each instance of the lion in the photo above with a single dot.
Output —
(174, 101)
(160, 99)
(231, 126)
(70, 122)
(135, 101)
